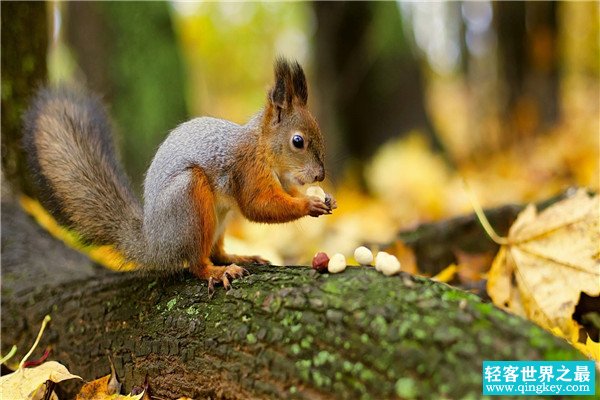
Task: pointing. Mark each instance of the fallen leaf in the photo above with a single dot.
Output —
(25, 382)
(108, 388)
(547, 261)
(105, 255)
(447, 274)
(100, 389)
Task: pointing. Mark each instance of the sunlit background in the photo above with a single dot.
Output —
(412, 97)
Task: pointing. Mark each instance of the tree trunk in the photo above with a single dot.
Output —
(24, 45)
(282, 332)
(528, 60)
(370, 85)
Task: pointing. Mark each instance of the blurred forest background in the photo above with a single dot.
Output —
(412, 97)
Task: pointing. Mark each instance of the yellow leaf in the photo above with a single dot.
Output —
(107, 388)
(100, 389)
(24, 382)
(105, 255)
(447, 274)
(549, 259)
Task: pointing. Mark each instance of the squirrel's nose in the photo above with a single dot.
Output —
(321, 175)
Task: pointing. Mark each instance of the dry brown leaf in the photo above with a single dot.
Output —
(25, 382)
(549, 259)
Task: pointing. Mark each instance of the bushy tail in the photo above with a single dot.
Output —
(69, 143)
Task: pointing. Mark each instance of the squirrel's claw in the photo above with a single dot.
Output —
(211, 287)
(225, 281)
(224, 275)
(233, 271)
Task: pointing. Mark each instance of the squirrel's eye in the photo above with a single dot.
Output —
(298, 141)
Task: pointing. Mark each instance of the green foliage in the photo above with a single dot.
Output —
(230, 48)
(146, 69)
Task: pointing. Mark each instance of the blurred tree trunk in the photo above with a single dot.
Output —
(24, 49)
(128, 52)
(369, 83)
(527, 52)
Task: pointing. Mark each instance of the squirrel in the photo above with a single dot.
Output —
(204, 170)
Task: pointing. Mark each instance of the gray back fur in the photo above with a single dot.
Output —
(170, 225)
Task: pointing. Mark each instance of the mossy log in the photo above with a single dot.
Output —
(282, 332)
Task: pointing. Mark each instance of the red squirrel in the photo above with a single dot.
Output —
(205, 169)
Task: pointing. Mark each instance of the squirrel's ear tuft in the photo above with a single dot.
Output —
(299, 80)
(290, 84)
(281, 94)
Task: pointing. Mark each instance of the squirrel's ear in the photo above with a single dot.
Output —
(299, 80)
(281, 94)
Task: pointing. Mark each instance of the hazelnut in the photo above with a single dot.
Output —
(320, 262)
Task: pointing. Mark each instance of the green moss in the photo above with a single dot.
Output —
(306, 342)
(379, 325)
(320, 380)
(171, 303)
(332, 287)
(192, 310)
(295, 349)
(367, 375)
(457, 295)
(486, 308)
(322, 358)
(251, 338)
(406, 388)
(304, 367)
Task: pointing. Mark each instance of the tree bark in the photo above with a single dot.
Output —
(24, 45)
(282, 332)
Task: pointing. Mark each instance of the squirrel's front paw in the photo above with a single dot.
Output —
(317, 207)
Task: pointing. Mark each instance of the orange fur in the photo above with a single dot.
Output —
(220, 257)
(262, 199)
(204, 202)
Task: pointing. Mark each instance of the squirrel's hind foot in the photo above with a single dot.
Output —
(217, 275)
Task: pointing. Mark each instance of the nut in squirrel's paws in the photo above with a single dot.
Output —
(330, 201)
(316, 191)
(325, 204)
(224, 276)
